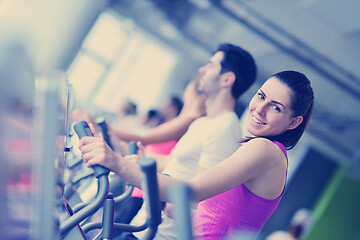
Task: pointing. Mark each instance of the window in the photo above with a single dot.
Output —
(118, 60)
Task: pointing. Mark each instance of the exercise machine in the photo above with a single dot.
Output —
(71, 227)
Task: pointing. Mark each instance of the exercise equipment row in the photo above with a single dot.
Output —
(74, 226)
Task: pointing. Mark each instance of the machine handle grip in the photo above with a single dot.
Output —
(151, 191)
(108, 217)
(182, 195)
(133, 147)
(105, 132)
(82, 129)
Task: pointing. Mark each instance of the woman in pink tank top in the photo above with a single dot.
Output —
(278, 115)
(237, 210)
(239, 194)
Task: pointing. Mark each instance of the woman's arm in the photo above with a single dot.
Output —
(95, 151)
(259, 164)
(248, 163)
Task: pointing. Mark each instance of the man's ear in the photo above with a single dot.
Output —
(228, 79)
(295, 122)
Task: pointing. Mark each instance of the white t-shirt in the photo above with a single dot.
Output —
(207, 142)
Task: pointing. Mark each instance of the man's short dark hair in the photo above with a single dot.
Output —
(242, 64)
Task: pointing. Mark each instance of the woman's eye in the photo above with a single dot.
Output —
(261, 96)
(276, 108)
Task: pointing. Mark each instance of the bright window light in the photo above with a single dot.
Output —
(85, 76)
(118, 60)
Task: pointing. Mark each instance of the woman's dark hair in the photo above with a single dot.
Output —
(242, 64)
(302, 102)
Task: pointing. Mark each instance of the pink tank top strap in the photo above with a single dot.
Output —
(282, 147)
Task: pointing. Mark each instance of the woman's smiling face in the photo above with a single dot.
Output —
(270, 111)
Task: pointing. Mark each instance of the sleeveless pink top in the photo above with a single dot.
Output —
(235, 211)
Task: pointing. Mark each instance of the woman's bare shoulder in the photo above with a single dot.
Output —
(259, 143)
(263, 148)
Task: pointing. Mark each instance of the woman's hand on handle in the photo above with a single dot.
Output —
(96, 151)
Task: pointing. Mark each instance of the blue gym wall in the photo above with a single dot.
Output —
(303, 191)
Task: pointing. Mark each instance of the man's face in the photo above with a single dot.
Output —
(209, 74)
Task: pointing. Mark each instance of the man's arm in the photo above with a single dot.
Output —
(171, 130)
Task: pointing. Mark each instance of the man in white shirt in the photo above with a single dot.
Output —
(214, 137)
